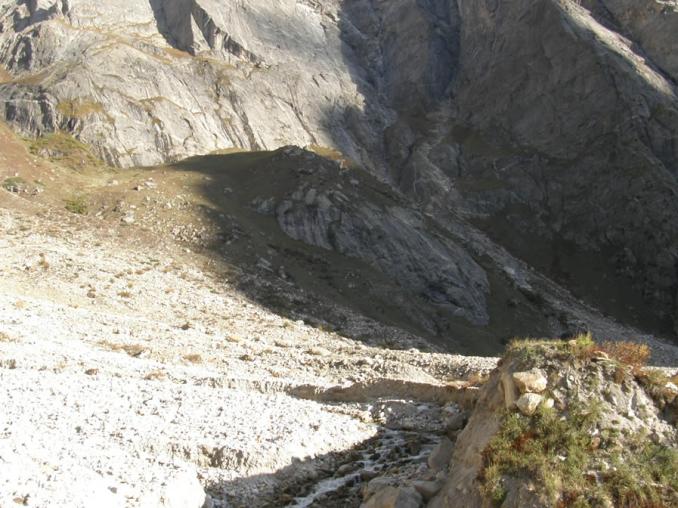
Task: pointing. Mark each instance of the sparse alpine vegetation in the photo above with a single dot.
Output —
(595, 436)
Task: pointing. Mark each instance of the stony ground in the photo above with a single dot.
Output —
(133, 375)
(137, 371)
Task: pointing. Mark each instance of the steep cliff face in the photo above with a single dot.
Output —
(569, 136)
(146, 82)
(549, 125)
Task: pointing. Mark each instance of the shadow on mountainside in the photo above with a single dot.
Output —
(241, 194)
(589, 208)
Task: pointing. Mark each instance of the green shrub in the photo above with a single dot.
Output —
(77, 205)
(14, 184)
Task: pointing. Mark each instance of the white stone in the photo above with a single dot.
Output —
(533, 381)
(528, 403)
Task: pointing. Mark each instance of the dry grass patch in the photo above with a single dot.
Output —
(5, 337)
(155, 375)
(133, 350)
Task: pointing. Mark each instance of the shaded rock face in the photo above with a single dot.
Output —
(580, 144)
(396, 240)
(554, 126)
(550, 124)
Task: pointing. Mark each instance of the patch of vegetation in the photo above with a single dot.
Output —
(133, 350)
(560, 454)
(529, 352)
(79, 108)
(14, 184)
(332, 154)
(63, 148)
(631, 355)
(77, 205)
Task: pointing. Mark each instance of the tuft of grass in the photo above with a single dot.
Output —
(133, 350)
(79, 108)
(4, 337)
(582, 347)
(531, 447)
(76, 205)
(558, 451)
(14, 184)
(65, 149)
(632, 354)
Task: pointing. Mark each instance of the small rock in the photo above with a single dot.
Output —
(532, 381)
(455, 421)
(427, 489)
(377, 484)
(366, 475)
(528, 403)
(344, 469)
(395, 497)
(183, 491)
(441, 455)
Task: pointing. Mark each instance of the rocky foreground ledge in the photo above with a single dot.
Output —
(560, 424)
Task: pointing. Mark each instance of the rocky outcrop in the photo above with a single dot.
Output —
(586, 437)
(621, 409)
(341, 233)
(396, 240)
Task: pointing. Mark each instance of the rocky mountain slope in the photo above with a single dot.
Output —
(244, 244)
(549, 123)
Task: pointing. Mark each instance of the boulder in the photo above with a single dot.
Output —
(428, 489)
(441, 455)
(528, 403)
(395, 497)
(532, 381)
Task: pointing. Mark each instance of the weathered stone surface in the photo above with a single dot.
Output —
(509, 390)
(428, 489)
(183, 491)
(441, 455)
(528, 403)
(534, 381)
(394, 497)
(145, 82)
(377, 484)
(394, 239)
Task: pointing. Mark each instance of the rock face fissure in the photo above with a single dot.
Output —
(548, 123)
